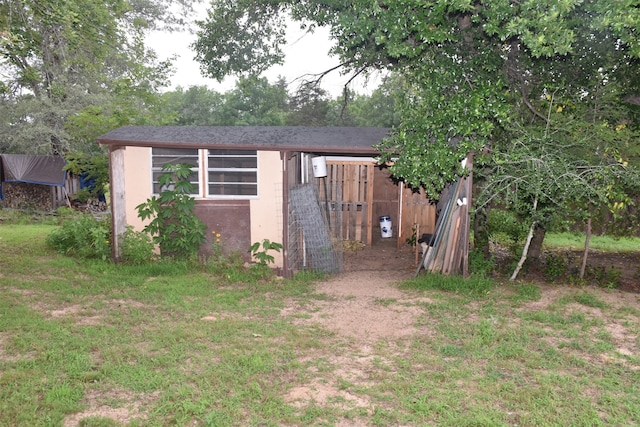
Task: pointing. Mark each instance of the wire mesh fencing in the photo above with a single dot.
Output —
(312, 244)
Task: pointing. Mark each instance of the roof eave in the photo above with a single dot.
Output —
(280, 148)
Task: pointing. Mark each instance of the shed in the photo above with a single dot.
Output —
(34, 181)
(258, 182)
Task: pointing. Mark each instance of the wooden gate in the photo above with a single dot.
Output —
(349, 189)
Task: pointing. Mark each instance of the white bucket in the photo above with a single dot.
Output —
(319, 166)
(385, 226)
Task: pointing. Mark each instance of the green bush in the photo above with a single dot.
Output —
(555, 266)
(604, 277)
(136, 247)
(479, 265)
(82, 236)
(174, 225)
(504, 225)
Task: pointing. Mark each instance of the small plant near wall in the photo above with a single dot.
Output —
(174, 225)
(137, 247)
(413, 239)
(82, 236)
(217, 251)
(260, 251)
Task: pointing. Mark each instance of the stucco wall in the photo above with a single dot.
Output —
(137, 166)
(266, 211)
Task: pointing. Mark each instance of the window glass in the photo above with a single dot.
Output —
(229, 173)
(164, 156)
(232, 173)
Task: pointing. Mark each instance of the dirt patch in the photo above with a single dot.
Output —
(364, 306)
(128, 410)
(363, 302)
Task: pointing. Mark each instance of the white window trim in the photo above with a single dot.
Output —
(207, 196)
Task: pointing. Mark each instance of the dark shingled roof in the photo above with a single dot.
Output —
(339, 140)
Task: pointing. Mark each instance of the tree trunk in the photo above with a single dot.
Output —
(523, 258)
(585, 254)
(481, 231)
(536, 242)
(525, 251)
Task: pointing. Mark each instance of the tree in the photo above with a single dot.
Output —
(380, 109)
(478, 76)
(254, 101)
(80, 60)
(309, 106)
(195, 106)
(450, 53)
(453, 54)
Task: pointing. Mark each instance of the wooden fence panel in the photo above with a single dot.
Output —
(62, 194)
(418, 211)
(350, 189)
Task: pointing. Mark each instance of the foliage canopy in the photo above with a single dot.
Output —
(74, 69)
(468, 66)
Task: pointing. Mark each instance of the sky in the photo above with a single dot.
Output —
(304, 54)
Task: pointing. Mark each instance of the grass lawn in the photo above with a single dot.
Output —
(89, 343)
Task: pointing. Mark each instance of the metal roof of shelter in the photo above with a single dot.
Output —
(339, 140)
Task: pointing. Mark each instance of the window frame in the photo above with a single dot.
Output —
(158, 169)
(252, 170)
(202, 168)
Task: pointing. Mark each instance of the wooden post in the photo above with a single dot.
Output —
(467, 227)
(285, 156)
(118, 205)
(369, 201)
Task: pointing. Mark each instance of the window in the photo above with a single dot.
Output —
(164, 156)
(232, 173)
(227, 174)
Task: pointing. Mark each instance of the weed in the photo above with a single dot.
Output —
(84, 236)
(413, 239)
(603, 277)
(479, 265)
(589, 300)
(263, 255)
(527, 292)
(136, 247)
(555, 265)
(472, 286)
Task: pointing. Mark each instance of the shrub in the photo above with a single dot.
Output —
(83, 236)
(604, 277)
(174, 225)
(504, 225)
(136, 247)
(555, 266)
(479, 265)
